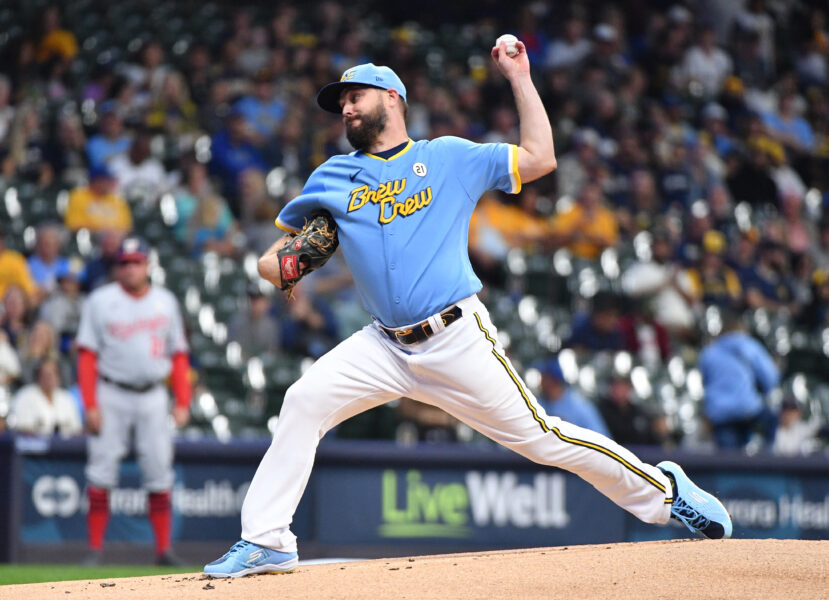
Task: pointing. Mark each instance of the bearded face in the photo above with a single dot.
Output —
(371, 124)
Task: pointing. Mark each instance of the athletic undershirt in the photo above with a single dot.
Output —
(391, 151)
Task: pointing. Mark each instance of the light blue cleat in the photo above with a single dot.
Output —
(701, 512)
(246, 558)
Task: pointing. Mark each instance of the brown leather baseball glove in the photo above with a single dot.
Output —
(308, 250)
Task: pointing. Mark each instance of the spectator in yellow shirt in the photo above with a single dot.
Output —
(496, 227)
(588, 227)
(712, 281)
(517, 224)
(14, 271)
(56, 42)
(97, 206)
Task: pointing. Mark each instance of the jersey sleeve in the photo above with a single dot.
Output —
(88, 335)
(292, 217)
(482, 167)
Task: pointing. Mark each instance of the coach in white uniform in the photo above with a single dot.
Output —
(131, 339)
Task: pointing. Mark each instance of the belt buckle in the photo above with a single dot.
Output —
(400, 334)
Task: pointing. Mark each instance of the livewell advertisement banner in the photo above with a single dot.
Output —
(481, 508)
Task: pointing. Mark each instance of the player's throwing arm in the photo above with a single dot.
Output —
(536, 153)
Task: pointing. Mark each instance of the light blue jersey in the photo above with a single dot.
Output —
(404, 221)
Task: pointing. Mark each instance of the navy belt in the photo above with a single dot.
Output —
(421, 331)
(132, 387)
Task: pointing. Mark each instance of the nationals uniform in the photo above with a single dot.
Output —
(134, 340)
(403, 220)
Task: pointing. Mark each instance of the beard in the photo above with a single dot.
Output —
(371, 126)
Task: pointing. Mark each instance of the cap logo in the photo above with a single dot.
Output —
(348, 75)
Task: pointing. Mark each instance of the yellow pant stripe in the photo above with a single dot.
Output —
(517, 382)
(555, 430)
(612, 455)
(482, 328)
(515, 379)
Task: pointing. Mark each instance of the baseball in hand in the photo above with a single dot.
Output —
(509, 40)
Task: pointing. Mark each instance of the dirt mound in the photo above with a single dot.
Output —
(750, 569)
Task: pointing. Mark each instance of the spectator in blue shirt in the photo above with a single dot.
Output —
(715, 124)
(233, 152)
(262, 111)
(46, 261)
(788, 128)
(561, 400)
(737, 371)
(110, 139)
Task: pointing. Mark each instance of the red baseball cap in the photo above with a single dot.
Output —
(133, 247)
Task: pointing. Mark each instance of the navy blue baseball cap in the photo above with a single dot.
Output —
(133, 247)
(367, 74)
(549, 366)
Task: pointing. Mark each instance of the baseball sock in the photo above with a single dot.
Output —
(97, 517)
(160, 518)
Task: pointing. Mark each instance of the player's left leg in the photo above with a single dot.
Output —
(358, 374)
(470, 377)
(154, 450)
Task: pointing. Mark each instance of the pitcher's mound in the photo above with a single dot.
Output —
(696, 570)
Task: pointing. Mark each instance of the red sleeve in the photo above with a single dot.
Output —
(180, 380)
(87, 377)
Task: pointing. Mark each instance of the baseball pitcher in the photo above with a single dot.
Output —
(400, 210)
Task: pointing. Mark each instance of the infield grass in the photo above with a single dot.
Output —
(10, 574)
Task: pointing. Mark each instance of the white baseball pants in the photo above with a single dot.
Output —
(122, 411)
(463, 370)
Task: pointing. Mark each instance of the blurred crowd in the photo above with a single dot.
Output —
(693, 151)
